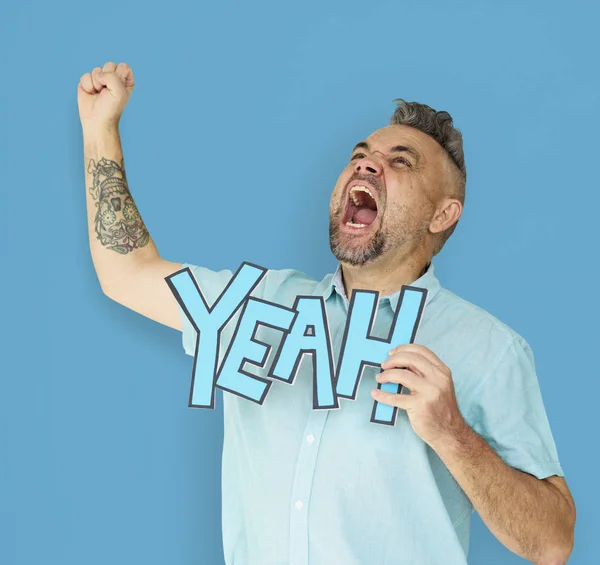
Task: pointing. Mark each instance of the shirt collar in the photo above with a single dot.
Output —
(334, 282)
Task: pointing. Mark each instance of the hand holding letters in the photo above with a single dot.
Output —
(431, 407)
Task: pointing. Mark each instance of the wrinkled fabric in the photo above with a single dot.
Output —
(324, 487)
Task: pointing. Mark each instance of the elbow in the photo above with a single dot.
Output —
(560, 533)
(112, 293)
(111, 290)
(559, 554)
(106, 291)
(555, 559)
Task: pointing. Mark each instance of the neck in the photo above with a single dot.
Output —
(384, 277)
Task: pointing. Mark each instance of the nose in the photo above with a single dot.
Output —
(367, 165)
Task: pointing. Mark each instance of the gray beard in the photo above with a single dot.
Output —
(355, 256)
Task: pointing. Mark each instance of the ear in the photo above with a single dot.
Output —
(447, 213)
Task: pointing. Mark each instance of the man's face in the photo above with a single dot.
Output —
(386, 196)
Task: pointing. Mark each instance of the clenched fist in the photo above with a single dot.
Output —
(103, 94)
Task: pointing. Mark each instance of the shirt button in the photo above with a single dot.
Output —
(298, 504)
(310, 438)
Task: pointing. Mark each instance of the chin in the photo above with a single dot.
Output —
(347, 250)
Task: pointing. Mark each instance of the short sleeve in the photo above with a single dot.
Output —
(508, 412)
(212, 284)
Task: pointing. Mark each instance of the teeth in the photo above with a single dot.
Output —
(353, 225)
(356, 189)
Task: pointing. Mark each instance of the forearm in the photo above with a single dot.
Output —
(528, 515)
(119, 239)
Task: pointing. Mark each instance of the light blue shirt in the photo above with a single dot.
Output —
(329, 487)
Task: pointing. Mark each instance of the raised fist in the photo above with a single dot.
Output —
(103, 94)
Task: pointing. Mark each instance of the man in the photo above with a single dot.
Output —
(328, 486)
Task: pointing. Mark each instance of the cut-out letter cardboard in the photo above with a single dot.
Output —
(360, 348)
(209, 322)
(245, 348)
(309, 335)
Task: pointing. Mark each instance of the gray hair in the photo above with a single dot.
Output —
(439, 126)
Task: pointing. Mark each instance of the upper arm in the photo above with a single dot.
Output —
(144, 290)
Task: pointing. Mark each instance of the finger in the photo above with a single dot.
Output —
(418, 364)
(421, 349)
(86, 83)
(403, 377)
(125, 73)
(111, 81)
(403, 401)
(405, 360)
(96, 72)
(109, 67)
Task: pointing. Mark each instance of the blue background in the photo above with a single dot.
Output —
(242, 117)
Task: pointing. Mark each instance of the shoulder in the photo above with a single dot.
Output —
(470, 318)
(284, 285)
(462, 328)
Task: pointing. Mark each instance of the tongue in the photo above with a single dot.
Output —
(364, 216)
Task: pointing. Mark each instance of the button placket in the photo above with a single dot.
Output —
(303, 478)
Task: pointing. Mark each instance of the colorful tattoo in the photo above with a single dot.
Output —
(118, 223)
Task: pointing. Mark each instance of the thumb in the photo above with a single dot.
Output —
(112, 82)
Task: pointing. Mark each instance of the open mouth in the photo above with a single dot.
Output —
(361, 208)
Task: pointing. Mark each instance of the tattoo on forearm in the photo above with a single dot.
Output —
(118, 223)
